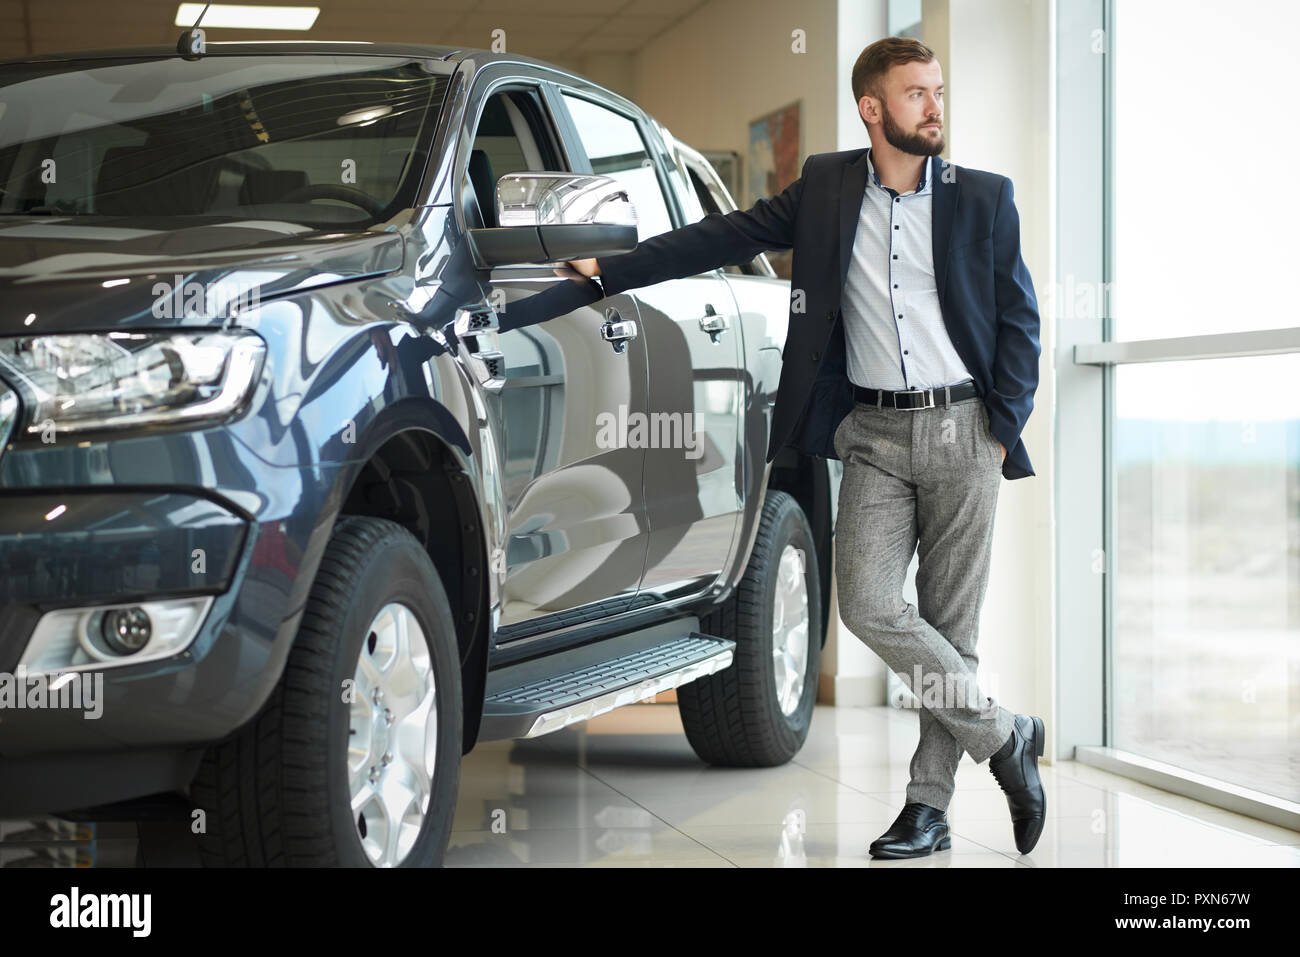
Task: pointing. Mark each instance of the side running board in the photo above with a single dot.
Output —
(546, 694)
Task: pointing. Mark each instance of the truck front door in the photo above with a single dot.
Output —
(693, 433)
(575, 513)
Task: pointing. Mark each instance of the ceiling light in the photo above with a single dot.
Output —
(239, 16)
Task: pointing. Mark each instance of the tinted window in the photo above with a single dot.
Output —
(615, 148)
(511, 137)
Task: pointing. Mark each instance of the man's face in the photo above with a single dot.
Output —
(912, 112)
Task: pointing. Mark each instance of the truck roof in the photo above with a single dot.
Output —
(273, 47)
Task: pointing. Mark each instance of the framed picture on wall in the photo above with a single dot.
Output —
(774, 161)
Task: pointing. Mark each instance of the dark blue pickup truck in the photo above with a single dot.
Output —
(318, 466)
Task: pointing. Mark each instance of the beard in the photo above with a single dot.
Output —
(916, 143)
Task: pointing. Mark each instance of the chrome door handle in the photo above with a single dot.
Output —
(618, 331)
(712, 323)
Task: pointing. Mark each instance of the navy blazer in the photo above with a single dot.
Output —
(985, 292)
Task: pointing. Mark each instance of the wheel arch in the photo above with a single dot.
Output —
(418, 479)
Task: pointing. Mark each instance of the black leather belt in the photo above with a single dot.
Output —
(913, 399)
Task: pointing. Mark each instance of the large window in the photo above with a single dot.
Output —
(1205, 642)
(1207, 602)
(1205, 221)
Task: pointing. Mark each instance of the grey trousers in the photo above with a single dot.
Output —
(927, 478)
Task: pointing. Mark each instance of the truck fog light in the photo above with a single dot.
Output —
(125, 630)
(80, 639)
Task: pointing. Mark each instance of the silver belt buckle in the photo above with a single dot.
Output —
(914, 408)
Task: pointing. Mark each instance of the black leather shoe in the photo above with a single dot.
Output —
(917, 831)
(1017, 774)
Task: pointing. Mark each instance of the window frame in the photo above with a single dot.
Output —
(486, 85)
(654, 146)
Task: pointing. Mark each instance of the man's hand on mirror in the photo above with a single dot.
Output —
(587, 268)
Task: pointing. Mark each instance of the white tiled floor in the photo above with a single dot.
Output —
(626, 790)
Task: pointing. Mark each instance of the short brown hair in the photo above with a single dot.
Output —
(874, 62)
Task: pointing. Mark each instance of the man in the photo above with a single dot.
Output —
(920, 390)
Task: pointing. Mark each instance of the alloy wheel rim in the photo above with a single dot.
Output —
(790, 629)
(392, 736)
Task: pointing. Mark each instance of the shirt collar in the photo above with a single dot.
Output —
(921, 187)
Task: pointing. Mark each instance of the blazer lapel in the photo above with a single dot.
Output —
(853, 181)
(943, 206)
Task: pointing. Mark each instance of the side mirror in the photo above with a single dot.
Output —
(550, 217)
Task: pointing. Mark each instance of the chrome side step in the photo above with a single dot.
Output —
(547, 694)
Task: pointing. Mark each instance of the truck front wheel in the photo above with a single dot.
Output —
(355, 759)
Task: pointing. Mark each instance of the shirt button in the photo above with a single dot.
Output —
(904, 352)
(895, 227)
(895, 255)
(895, 285)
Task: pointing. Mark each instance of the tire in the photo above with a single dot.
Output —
(280, 792)
(734, 718)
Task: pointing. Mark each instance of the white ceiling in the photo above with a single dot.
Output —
(561, 29)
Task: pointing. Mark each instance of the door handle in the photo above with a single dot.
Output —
(476, 327)
(712, 323)
(618, 331)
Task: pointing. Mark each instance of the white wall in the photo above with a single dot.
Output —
(731, 61)
(612, 70)
(855, 675)
(1000, 84)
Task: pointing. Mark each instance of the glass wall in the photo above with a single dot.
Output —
(1207, 586)
(1205, 644)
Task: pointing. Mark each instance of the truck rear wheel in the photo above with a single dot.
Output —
(355, 759)
(757, 712)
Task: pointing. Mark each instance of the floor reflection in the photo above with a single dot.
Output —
(626, 790)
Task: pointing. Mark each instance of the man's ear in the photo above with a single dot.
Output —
(869, 109)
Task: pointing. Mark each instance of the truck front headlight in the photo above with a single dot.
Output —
(123, 380)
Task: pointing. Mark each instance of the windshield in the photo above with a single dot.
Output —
(314, 139)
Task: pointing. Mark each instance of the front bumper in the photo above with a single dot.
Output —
(153, 717)
(60, 549)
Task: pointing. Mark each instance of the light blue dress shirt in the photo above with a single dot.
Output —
(894, 332)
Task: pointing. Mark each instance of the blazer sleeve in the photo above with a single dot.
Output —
(719, 239)
(1015, 365)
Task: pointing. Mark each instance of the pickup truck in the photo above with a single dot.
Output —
(318, 466)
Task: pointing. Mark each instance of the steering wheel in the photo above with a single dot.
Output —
(346, 194)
